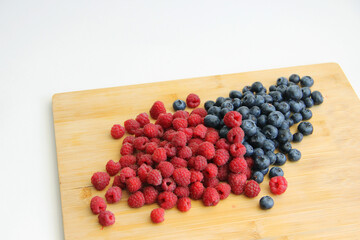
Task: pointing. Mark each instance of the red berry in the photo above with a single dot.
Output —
(233, 119)
(182, 176)
(200, 111)
(170, 150)
(140, 143)
(127, 149)
(224, 190)
(194, 120)
(278, 185)
(200, 163)
(156, 109)
(184, 152)
(196, 176)
(136, 200)
(184, 204)
(235, 135)
(252, 189)
(150, 147)
(118, 183)
(127, 161)
(178, 162)
(133, 184)
(223, 172)
(97, 205)
(210, 197)
(142, 119)
(145, 158)
(100, 180)
(168, 184)
(212, 136)
(221, 157)
(154, 177)
(113, 195)
(222, 143)
(113, 167)
(151, 130)
(106, 218)
(210, 171)
(188, 132)
(237, 150)
(179, 123)
(182, 192)
(143, 172)
(117, 131)
(211, 182)
(131, 126)
(181, 114)
(237, 183)
(192, 100)
(129, 139)
(167, 200)
(150, 194)
(126, 173)
(196, 190)
(165, 120)
(157, 215)
(238, 165)
(207, 150)
(166, 169)
(249, 162)
(159, 155)
(139, 132)
(200, 131)
(179, 139)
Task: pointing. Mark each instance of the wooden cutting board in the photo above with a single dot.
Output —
(322, 200)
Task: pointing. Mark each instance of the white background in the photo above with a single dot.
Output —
(48, 47)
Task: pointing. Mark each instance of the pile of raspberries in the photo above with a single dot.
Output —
(177, 159)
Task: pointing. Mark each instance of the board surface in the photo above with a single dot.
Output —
(321, 202)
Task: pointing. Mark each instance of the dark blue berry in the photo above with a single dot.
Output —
(270, 131)
(261, 121)
(261, 162)
(294, 78)
(294, 155)
(248, 100)
(284, 136)
(227, 104)
(306, 81)
(268, 98)
(257, 140)
(252, 118)
(276, 143)
(276, 171)
(249, 127)
(294, 92)
(308, 102)
(219, 101)
(285, 148)
(283, 107)
(211, 121)
(264, 171)
(282, 89)
(267, 108)
(258, 177)
(276, 96)
(280, 159)
(256, 87)
(255, 110)
(208, 104)
(306, 91)
(266, 203)
(258, 152)
(259, 100)
(282, 81)
(224, 131)
(246, 89)
(224, 111)
(306, 114)
(244, 111)
(271, 155)
(272, 88)
(276, 118)
(295, 106)
(179, 105)
(235, 94)
(268, 145)
(236, 103)
(317, 97)
(285, 125)
(296, 117)
(249, 149)
(287, 115)
(298, 137)
(214, 110)
(305, 128)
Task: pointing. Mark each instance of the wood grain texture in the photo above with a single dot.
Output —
(322, 201)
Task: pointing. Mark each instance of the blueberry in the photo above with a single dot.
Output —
(264, 171)
(298, 137)
(283, 107)
(285, 148)
(284, 136)
(227, 104)
(290, 122)
(270, 131)
(223, 112)
(276, 143)
(214, 110)
(306, 81)
(294, 155)
(248, 100)
(262, 162)
(261, 121)
(252, 118)
(317, 97)
(282, 89)
(291, 84)
(306, 91)
(268, 145)
(276, 171)
(249, 127)
(276, 118)
(294, 92)
(257, 140)
(256, 87)
(249, 149)
(287, 115)
(294, 78)
(211, 121)
(285, 125)
(258, 152)
(222, 123)
(259, 100)
(244, 111)
(268, 98)
(228, 99)
(262, 92)
(258, 177)
(224, 131)
(179, 105)
(295, 106)
(297, 117)
(282, 81)
(280, 159)
(266, 202)
(246, 89)
(305, 128)
(235, 94)
(276, 96)
(219, 101)
(208, 104)
(308, 102)
(267, 108)
(272, 88)
(271, 155)
(236, 103)
(276, 104)
(306, 114)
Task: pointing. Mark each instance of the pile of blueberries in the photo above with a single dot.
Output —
(267, 117)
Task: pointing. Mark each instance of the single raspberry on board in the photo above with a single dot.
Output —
(182, 192)
(127, 149)
(133, 184)
(157, 215)
(150, 194)
(142, 119)
(252, 189)
(184, 204)
(117, 131)
(154, 177)
(166, 169)
(151, 130)
(167, 200)
(157, 108)
(224, 190)
(113, 195)
(165, 120)
(192, 100)
(207, 150)
(233, 119)
(278, 185)
(196, 190)
(221, 157)
(210, 197)
(100, 180)
(113, 167)
(97, 205)
(131, 126)
(106, 218)
(182, 176)
(136, 200)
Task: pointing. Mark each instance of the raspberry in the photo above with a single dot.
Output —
(131, 126)
(249, 162)
(196, 176)
(235, 135)
(182, 192)
(237, 183)
(127, 161)
(113, 167)
(192, 100)
(179, 123)
(212, 136)
(210, 171)
(150, 147)
(248, 173)
(145, 158)
(196, 190)
(184, 152)
(210, 197)
(129, 139)
(155, 140)
(179, 139)
(100, 180)
(163, 143)
(126, 173)
(237, 150)
(194, 120)
(150, 130)
(170, 150)
(117, 131)
(182, 176)
(233, 119)
(157, 215)
(167, 200)
(278, 185)
(134, 167)
(168, 184)
(136, 200)
(154, 177)
(207, 150)
(157, 108)
(142, 119)
(140, 143)
(224, 190)
(181, 114)
(143, 172)
(118, 183)
(238, 165)
(188, 132)
(113, 195)
(211, 182)
(106, 218)
(223, 172)
(97, 205)
(150, 194)
(252, 189)
(184, 204)
(178, 162)
(165, 120)
(133, 184)
(200, 163)
(139, 132)
(159, 155)
(222, 143)
(221, 157)
(160, 130)
(127, 149)
(166, 169)
(200, 111)
(200, 131)
(169, 134)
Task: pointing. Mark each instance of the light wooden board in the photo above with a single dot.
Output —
(322, 200)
